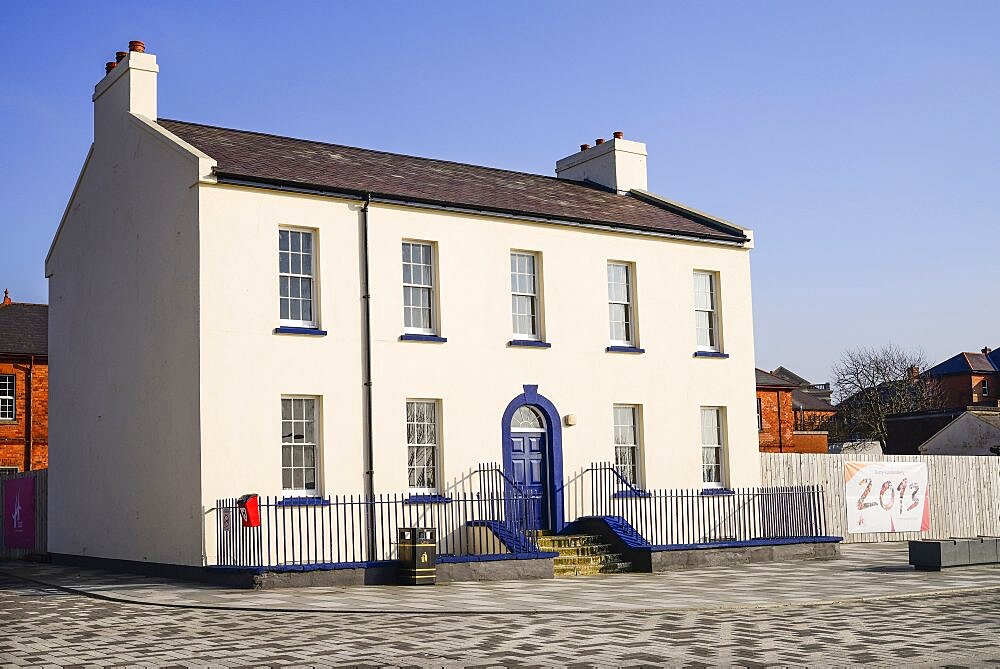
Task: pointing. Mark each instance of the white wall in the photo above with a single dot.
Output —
(966, 435)
(246, 368)
(123, 350)
(475, 374)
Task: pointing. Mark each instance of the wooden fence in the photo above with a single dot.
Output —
(964, 491)
(41, 477)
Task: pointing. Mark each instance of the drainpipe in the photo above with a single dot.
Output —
(366, 379)
(781, 438)
(28, 382)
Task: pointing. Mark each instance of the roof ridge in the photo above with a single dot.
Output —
(27, 304)
(393, 153)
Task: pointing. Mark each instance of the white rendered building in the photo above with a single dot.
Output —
(236, 312)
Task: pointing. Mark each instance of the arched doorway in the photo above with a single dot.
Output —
(532, 455)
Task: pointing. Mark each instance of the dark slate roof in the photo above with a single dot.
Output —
(965, 363)
(789, 375)
(265, 158)
(770, 381)
(24, 329)
(807, 402)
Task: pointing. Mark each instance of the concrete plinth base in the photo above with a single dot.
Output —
(719, 557)
(495, 570)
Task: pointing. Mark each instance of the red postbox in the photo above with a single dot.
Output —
(249, 506)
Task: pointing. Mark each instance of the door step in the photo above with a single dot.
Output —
(582, 555)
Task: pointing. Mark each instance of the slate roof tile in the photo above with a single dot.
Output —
(24, 329)
(270, 158)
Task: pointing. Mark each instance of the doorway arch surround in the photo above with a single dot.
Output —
(553, 432)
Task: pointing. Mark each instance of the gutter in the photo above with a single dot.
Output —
(228, 179)
(366, 379)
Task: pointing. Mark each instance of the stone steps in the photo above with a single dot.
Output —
(582, 555)
(592, 570)
(587, 560)
(582, 551)
(555, 543)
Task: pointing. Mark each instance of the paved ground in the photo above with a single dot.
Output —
(46, 625)
(869, 571)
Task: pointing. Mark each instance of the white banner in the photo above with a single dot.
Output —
(886, 497)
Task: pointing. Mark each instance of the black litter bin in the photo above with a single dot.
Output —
(417, 556)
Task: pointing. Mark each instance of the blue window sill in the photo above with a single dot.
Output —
(710, 354)
(300, 331)
(422, 337)
(530, 343)
(624, 349)
(626, 494)
(303, 501)
(427, 499)
(717, 491)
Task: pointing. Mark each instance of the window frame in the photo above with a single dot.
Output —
(636, 446)
(436, 403)
(12, 399)
(760, 416)
(313, 279)
(985, 388)
(316, 446)
(631, 331)
(432, 305)
(714, 319)
(535, 297)
(720, 413)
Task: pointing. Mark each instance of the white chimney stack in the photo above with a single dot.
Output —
(618, 164)
(128, 86)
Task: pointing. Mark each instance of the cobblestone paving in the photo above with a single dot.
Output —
(868, 571)
(45, 626)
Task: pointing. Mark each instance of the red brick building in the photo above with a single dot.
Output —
(24, 386)
(788, 419)
(775, 417)
(970, 379)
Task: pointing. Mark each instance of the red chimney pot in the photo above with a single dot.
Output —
(599, 141)
(584, 147)
(120, 56)
(110, 65)
(619, 134)
(137, 46)
(6, 298)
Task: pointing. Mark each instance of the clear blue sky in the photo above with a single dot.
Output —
(859, 140)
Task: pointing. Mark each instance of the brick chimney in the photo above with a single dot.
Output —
(618, 164)
(6, 298)
(987, 350)
(129, 86)
(913, 372)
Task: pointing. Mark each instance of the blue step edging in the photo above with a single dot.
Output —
(629, 536)
(321, 566)
(374, 564)
(784, 541)
(617, 524)
(540, 555)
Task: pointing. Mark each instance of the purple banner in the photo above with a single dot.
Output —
(19, 512)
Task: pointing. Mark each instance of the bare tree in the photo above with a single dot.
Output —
(873, 383)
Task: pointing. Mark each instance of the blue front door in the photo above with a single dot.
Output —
(529, 470)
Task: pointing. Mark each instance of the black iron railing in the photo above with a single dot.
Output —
(681, 517)
(492, 519)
